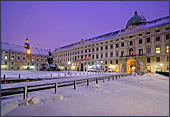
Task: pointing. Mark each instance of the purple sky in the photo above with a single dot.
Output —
(53, 24)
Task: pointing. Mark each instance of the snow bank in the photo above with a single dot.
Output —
(6, 109)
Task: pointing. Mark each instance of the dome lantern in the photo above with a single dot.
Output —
(136, 19)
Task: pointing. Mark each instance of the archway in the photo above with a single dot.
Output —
(131, 66)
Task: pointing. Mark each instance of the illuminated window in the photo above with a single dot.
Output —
(158, 50)
(18, 63)
(122, 53)
(167, 48)
(23, 63)
(140, 51)
(6, 57)
(12, 57)
(28, 59)
(85, 57)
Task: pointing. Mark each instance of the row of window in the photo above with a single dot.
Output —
(131, 53)
(148, 40)
(158, 59)
(18, 58)
(12, 63)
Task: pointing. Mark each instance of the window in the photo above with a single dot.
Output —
(131, 43)
(93, 49)
(32, 59)
(106, 47)
(117, 45)
(157, 31)
(101, 55)
(158, 50)
(106, 55)
(122, 53)
(101, 43)
(148, 51)
(117, 39)
(122, 44)
(85, 51)
(12, 63)
(101, 48)
(18, 58)
(111, 54)
(130, 36)
(157, 38)
(167, 48)
(148, 40)
(12, 57)
(22, 63)
(111, 62)
(122, 38)
(17, 63)
(106, 62)
(140, 34)
(111, 46)
(6, 57)
(167, 36)
(140, 51)
(157, 59)
(167, 67)
(85, 57)
(148, 33)
(117, 61)
(130, 52)
(97, 49)
(140, 41)
(97, 56)
(6, 62)
(148, 60)
(167, 58)
(117, 54)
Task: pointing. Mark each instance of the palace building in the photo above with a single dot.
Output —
(142, 46)
(14, 57)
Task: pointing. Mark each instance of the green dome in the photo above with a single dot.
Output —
(136, 19)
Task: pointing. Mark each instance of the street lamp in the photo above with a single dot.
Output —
(161, 66)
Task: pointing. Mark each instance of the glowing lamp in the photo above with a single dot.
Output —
(28, 51)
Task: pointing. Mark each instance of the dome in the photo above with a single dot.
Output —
(136, 19)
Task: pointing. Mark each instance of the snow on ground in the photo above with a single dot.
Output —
(146, 95)
(42, 74)
(14, 74)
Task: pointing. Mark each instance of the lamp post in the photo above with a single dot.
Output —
(161, 66)
(69, 67)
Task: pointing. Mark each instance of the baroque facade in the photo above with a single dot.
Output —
(14, 57)
(143, 46)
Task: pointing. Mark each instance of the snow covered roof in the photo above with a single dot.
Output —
(19, 48)
(147, 25)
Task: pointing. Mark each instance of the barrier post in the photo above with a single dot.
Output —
(25, 92)
(56, 87)
(96, 80)
(4, 77)
(108, 78)
(74, 84)
(103, 79)
(87, 82)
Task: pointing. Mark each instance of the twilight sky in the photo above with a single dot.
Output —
(52, 24)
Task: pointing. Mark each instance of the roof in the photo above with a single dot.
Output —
(19, 48)
(146, 25)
